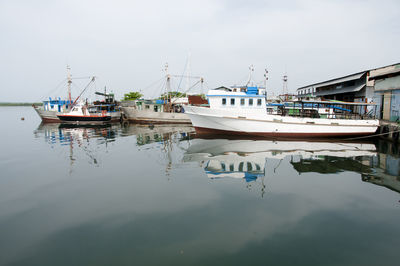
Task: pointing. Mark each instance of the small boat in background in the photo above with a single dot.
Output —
(55, 107)
(169, 108)
(84, 113)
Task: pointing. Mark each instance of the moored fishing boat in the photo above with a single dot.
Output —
(156, 112)
(51, 109)
(168, 109)
(83, 113)
(243, 111)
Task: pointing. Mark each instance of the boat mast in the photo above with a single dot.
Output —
(265, 83)
(285, 89)
(167, 87)
(69, 80)
(251, 68)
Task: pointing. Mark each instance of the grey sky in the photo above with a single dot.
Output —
(126, 43)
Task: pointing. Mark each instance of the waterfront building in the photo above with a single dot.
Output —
(380, 85)
(387, 92)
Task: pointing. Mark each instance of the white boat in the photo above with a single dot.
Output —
(155, 112)
(83, 113)
(246, 159)
(243, 111)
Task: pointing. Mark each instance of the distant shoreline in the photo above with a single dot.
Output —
(19, 104)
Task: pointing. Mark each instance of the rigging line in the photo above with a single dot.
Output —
(76, 86)
(185, 76)
(152, 84)
(184, 70)
(81, 78)
(92, 80)
(155, 84)
(54, 89)
(160, 88)
(242, 79)
(206, 85)
(192, 86)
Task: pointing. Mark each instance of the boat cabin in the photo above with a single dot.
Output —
(237, 97)
(160, 106)
(56, 105)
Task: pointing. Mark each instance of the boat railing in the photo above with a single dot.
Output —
(325, 109)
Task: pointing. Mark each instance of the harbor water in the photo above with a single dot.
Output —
(126, 194)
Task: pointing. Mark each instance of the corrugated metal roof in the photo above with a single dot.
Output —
(334, 81)
(339, 91)
(383, 74)
(340, 80)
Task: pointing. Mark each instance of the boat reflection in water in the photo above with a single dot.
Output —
(248, 159)
(146, 134)
(89, 143)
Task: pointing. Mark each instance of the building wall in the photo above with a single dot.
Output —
(377, 99)
(391, 83)
(390, 89)
(395, 109)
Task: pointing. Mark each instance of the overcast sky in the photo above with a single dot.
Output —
(126, 43)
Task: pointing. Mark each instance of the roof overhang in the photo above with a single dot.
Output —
(335, 81)
(392, 72)
(340, 91)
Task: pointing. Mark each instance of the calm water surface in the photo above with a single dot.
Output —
(140, 195)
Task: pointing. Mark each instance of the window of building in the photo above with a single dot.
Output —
(259, 102)
(250, 102)
(232, 101)
(242, 101)
(223, 101)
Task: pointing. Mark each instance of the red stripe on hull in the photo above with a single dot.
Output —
(138, 121)
(210, 131)
(51, 120)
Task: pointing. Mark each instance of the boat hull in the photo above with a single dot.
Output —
(151, 117)
(75, 118)
(52, 116)
(48, 116)
(209, 121)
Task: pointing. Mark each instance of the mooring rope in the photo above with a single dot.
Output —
(374, 135)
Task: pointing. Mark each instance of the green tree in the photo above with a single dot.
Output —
(131, 96)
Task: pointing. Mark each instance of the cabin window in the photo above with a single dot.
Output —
(250, 102)
(232, 101)
(147, 106)
(155, 108)
(241, 101)
(259, 102)
(223, 101)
